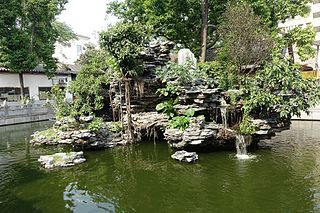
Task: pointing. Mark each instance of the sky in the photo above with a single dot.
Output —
(87, 17)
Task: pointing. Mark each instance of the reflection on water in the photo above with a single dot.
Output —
(79, 200)
(143, 178)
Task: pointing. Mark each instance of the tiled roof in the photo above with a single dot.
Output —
(61, 69)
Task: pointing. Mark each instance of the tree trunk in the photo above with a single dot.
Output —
(120, 106)
(128, 106)
(290, 51)
(205, 11)
(317, 61)
(21, 86)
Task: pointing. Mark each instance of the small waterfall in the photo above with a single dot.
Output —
(185, 56)
(242, 141)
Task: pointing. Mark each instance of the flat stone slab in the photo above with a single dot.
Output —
(184, 156)
(61, 160)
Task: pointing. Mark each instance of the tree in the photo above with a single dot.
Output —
(205, 11)
(246, 42)
(274, 11)
(90, 85)
(64, 33)
(180, 20)
(28, 36)
(303, 39)
(279, 88)
(124, 43)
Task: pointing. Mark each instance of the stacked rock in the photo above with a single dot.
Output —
(156, 54)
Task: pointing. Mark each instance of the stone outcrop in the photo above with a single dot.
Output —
(184, 156)
(203, 134)
(65, 132)
(149, 126)
(156, 54)
(61, 160)
(199, 134)
(143, 90)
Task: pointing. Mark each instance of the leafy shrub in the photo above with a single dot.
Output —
(182, 74)
(167, 107)
(48, 133)
(246, 126)
(279, 88)
(91, 85)
(182, 122)
(171, 90)
(116, 127)
(60, 105)
(96, 124)
(224, 75)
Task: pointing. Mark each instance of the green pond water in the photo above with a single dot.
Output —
(143, 178)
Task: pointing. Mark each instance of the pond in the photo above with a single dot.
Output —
(143, 178)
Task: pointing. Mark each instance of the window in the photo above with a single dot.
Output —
(79, 50)
(12, 94)
(316, 15)
(317, 29)
(44, 93)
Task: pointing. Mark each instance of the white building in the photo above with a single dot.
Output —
(70, 54)
(311, 19)
(36, 82)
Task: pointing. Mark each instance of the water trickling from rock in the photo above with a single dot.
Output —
(242, 141)
(185, 56)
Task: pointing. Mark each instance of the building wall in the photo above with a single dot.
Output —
(313, 19)
(70, 54)
(33, 82)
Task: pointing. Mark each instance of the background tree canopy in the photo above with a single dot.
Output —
(28, 35)
(180, 20)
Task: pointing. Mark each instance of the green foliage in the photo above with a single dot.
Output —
(96, 124)
(180, 20)
(245, 41)
(167, 107)
(171, 90)
(69, 123)
(61, 107)
(90, 86)
(303, 39)
(27, 34)
(124, 42)
(49, 134)
(116, 127)
(234, 96)
(182, 122)
(190, 112)
(182, 74)
(224, 74)
(246, 126)
(279, 10)
(280, 88)
(64, 33)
